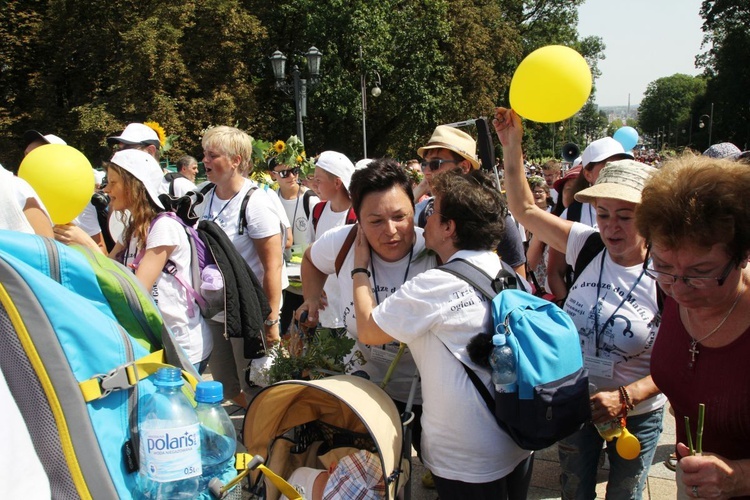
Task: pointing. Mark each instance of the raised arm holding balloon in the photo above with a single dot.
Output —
(615, 309)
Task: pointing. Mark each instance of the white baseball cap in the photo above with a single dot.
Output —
(336, 164)
(601, 149)
(143, 167)
(32, 135)
(136, 133)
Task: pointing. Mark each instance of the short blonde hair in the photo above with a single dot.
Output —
(230, 141)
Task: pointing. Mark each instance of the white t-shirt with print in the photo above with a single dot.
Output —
(262, 222)
(329, 317)
(433, 311)
(192, 334)
(627, 323)
(296, 212)
(388, 276)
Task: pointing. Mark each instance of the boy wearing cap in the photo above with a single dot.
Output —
(333, 173)
(450, 148)
(144, 138)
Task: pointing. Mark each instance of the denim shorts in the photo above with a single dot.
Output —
(579, 460)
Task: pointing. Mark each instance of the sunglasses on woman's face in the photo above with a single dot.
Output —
(434, 165)
(286, 173)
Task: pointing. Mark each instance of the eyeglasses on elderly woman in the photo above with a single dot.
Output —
(691, 281)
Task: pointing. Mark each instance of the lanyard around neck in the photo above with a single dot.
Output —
(597, 332)
(211, 204)
(374, 279)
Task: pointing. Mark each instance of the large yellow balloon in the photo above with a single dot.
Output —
(550, 85)
(62, 177)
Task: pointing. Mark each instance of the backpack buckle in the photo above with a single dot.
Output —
(116, 380)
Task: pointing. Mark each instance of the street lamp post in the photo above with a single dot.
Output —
(376, 91)
(710, 117)
(299, 86)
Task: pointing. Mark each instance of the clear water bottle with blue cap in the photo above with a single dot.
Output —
(218, 441)
(170, 454)
(503, 363)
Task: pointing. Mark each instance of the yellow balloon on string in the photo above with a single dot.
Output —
(551, 84)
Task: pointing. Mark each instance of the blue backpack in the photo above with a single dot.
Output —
(75, 373)
(552, 400)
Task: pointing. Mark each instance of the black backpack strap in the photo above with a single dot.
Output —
(306, 202)
(242, 224)
(593, 246)
(574, 211)
(481, 388)
(476, 277)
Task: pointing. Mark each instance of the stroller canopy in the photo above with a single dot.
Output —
(345, 401)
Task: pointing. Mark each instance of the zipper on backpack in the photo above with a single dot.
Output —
(53, 258)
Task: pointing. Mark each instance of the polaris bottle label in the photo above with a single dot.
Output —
(171, 454)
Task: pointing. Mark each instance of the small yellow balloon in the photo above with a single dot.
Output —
(62, 177)
(551, 84)
(628, 446)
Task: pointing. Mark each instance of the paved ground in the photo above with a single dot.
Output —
(545, 480)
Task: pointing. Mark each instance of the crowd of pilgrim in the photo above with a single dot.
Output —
(660, 309)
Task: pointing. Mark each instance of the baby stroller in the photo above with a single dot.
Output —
(302, 423)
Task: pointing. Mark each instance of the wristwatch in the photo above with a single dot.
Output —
(271, 322)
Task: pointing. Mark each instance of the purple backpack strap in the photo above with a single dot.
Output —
(197, 254)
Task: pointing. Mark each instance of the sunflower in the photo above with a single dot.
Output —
(159, 131)
(279, 147)
(298, 159)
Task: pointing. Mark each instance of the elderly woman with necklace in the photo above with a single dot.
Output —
(695, 213)
(613, 304)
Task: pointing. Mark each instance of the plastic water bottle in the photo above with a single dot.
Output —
(610, 429)
(170, 455)
(218, 440)
(503, 363)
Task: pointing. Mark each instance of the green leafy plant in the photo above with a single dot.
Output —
(319, 355)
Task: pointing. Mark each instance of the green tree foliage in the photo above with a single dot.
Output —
(83, 70)
(727, 65)
(667, 102)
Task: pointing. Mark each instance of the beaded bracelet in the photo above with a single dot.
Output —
(625, 398)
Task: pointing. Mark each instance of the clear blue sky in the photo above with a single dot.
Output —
(646, 40)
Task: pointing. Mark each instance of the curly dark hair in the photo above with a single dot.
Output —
(379, 175)
(475, 204)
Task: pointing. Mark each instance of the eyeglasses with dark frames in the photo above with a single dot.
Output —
(433, 165)
(691, 281)
(286, 173)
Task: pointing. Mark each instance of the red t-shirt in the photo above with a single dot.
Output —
(720, 378)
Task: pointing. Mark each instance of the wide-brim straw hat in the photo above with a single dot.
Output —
(618, 180)
(458, 141)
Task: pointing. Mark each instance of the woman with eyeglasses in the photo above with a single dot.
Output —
(615, 307)
(695, 213)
